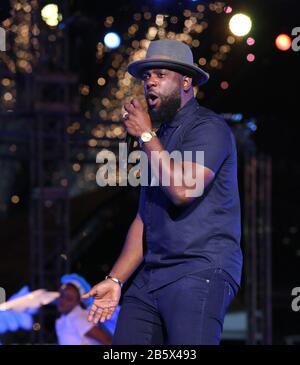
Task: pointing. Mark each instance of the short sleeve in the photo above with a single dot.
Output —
(211, 136)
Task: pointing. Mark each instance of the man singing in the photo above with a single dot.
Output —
(184, 239)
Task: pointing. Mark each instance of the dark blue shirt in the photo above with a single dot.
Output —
(205, 233)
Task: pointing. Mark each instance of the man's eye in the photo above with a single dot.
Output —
(145, 77)
(161, 74)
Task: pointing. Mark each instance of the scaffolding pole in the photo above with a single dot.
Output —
(258, 248)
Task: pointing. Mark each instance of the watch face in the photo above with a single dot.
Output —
(146, 136)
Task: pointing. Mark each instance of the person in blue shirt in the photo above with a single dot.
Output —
(185, 238)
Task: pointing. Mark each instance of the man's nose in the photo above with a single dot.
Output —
(152, 81)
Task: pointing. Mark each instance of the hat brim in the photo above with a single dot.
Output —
(137, 68)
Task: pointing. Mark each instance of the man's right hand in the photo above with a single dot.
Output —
(106, 298)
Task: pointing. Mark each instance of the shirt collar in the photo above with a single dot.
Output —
(184, 113)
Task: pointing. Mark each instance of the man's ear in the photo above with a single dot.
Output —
(187, 83)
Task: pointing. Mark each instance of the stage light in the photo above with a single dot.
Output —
(50, 15)
(112, 40)
(283, 42)
(240, 24)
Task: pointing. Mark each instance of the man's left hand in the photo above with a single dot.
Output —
(138, 120)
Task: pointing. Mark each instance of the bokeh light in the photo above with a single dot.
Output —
(224, 85)
(250, 57)
(250, 41)
(283, 42)
(240, 24)
(15, 199)
(228, 9)
(51, 15)
(112, 40)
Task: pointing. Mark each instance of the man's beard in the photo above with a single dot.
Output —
(169, 105)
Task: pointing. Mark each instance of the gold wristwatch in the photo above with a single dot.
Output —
(146, 137)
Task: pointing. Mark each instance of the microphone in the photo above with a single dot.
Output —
(123, 158)
(130, 142)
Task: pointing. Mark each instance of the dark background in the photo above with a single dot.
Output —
(267, 90)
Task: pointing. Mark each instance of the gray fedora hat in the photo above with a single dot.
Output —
(170, 54)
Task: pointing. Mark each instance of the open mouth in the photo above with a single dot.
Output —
(152, 99)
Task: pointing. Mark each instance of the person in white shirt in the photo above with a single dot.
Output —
(73, 327)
